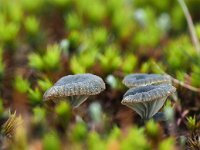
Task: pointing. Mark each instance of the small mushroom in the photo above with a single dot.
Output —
(77, 88)
(147, 100)
(136, 80)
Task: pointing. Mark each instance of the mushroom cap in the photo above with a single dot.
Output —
(147, 100)
(147, 93)
(135, 80)
(75, 85)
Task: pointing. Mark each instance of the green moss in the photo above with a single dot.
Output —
(92, 140)
(110, 38)
(31, 25)
(92, 10)
(35, 96)
(32, 6)
(99, 36)
(82, 62)
(167, 144)
(192, 123)
(73, 21)
(115, 133)
(60, 3)
(49, 61)
(44, 84)
(63, 111)
(52, 57)
(79, 132)
(195, 76)
(1, 107)
(111, 59)
(8, 31)
(35, 61)
(51, 141)
(135, 140)
(152, 129)
(39, 115)
(129, 63)
(20, 84)
(179, 53)
(2, 65)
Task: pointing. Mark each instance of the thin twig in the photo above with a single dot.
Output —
(183, 84)
(176, 81)
(190, 25)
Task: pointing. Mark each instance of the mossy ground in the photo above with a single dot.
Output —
(43, 40)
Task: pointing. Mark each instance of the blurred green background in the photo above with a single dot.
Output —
(43, 40)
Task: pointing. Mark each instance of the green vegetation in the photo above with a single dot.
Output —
(43, 40)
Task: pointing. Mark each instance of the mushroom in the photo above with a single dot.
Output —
(136, 80)
(77, 88)
(147, 100)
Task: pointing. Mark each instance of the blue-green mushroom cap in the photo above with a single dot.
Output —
(137, 80)
(77, 88)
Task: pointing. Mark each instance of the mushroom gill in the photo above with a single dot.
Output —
(147, 100)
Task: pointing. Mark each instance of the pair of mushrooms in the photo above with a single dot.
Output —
(145, 95)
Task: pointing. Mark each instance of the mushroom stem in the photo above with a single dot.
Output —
(76, 101)
(159, 116)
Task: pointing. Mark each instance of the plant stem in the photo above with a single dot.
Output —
(190, 25)
(176, 81)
